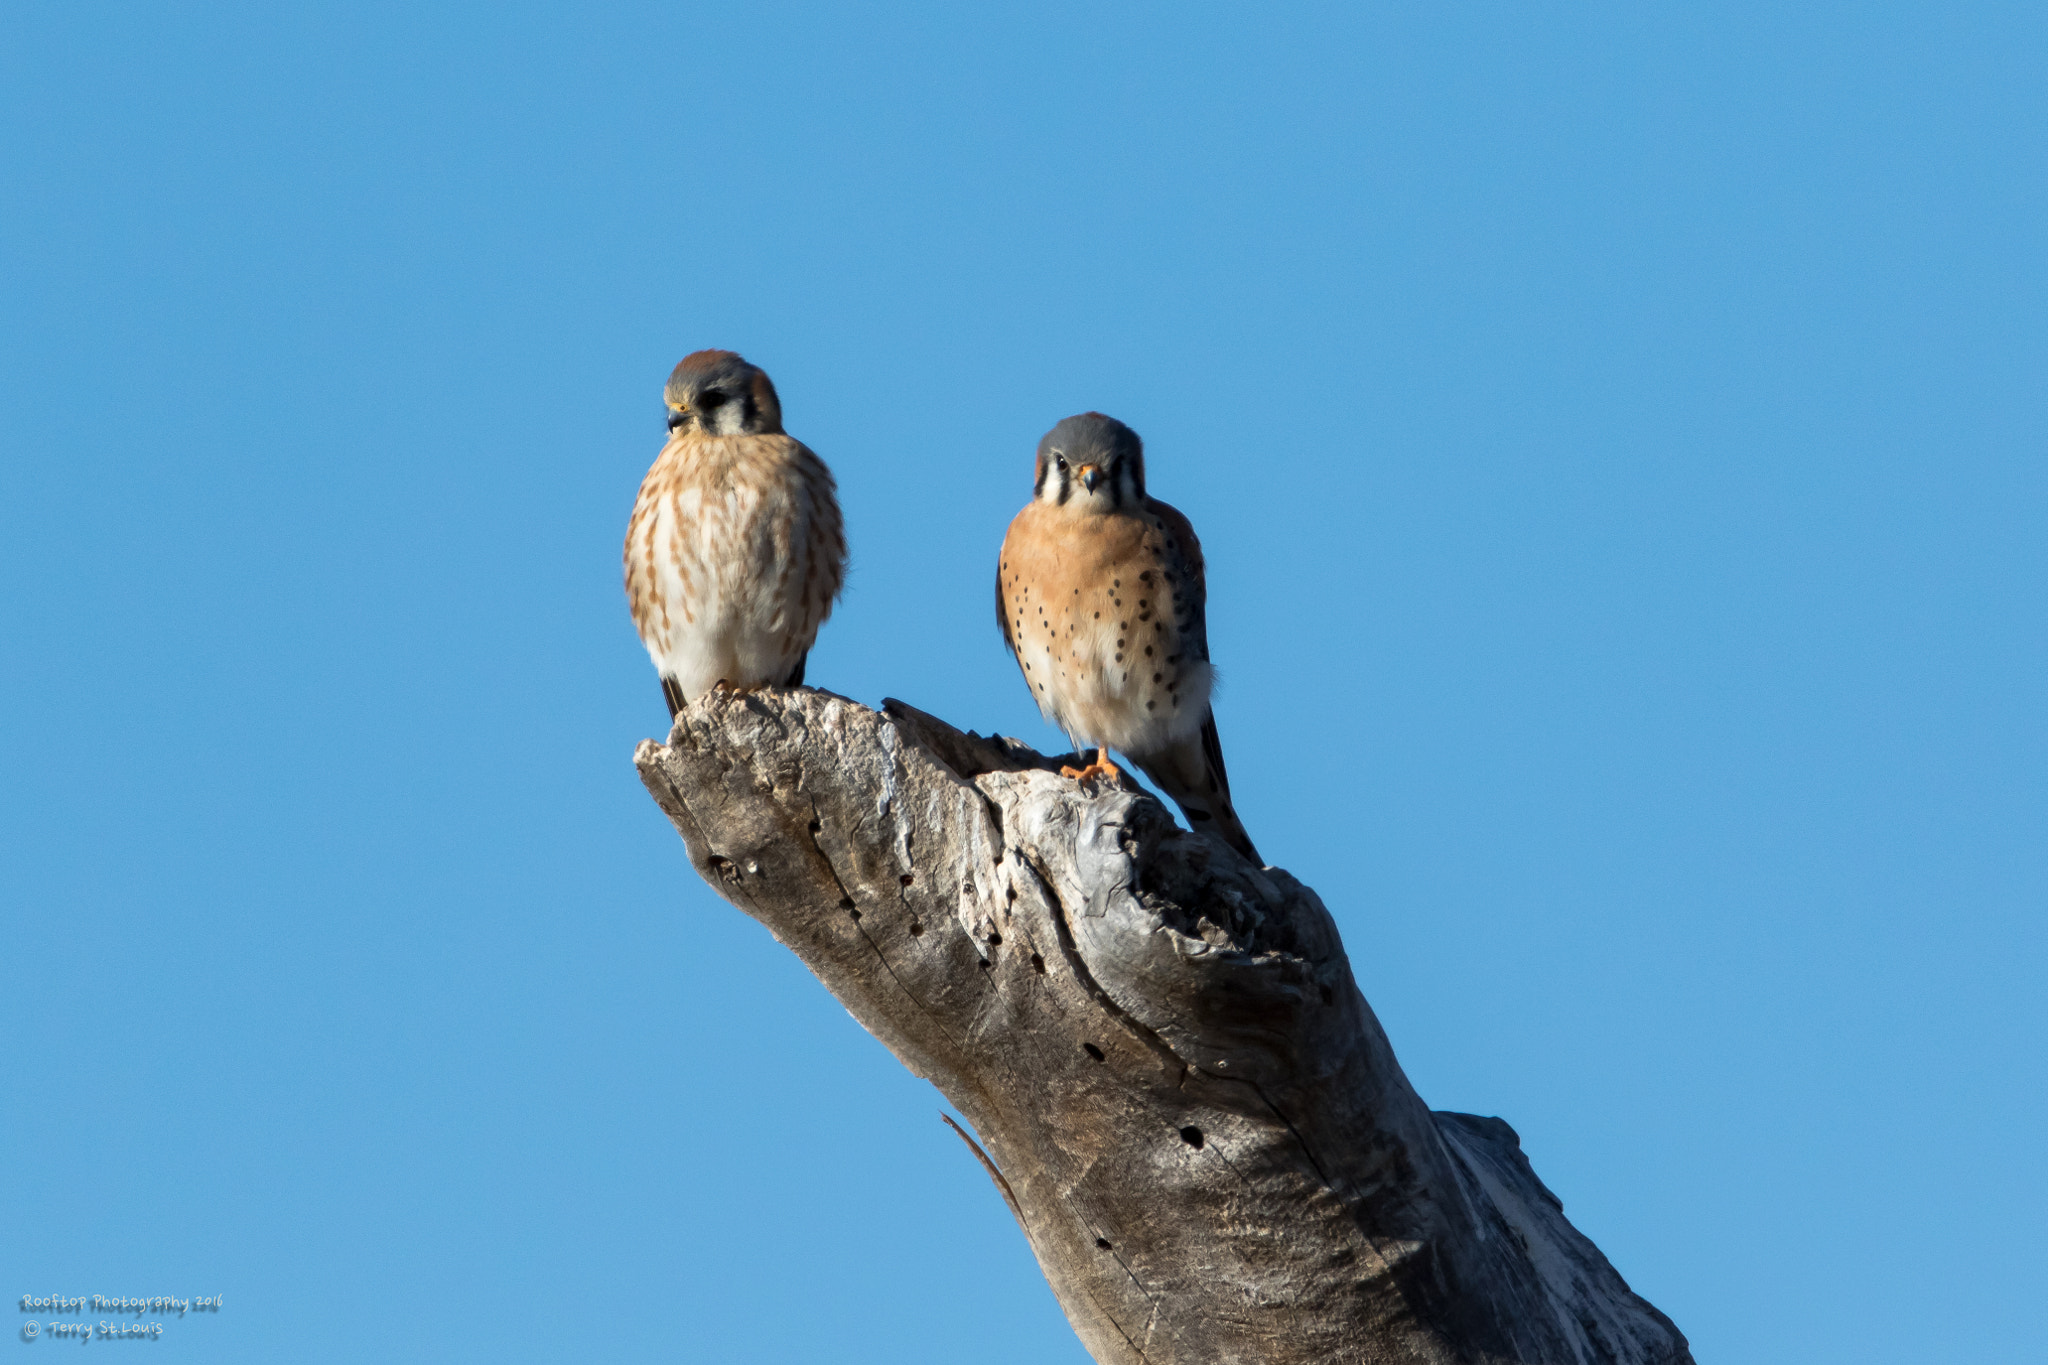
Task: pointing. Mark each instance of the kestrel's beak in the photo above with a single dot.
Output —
(1090, 476)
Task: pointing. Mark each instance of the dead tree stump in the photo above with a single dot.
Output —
(1182, 1095)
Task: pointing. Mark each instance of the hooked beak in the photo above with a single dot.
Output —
(1090, 476)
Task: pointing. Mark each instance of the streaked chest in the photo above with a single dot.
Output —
(714, 515)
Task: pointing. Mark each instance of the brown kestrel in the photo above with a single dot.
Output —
(1100, 595)
(734, 553)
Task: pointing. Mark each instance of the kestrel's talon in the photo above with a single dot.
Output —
(1101, 767)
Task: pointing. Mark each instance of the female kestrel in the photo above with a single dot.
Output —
(1100, 595)
(734, 553)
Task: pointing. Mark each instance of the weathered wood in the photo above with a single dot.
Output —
(1182, 1095)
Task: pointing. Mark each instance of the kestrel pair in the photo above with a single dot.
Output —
(734, 556)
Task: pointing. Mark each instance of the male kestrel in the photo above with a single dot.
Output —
(1100, 596)
(734, 553)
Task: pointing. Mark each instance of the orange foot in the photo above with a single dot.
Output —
(1101, 767)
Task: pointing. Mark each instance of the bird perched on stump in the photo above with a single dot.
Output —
(734, 553)
(1100, 594)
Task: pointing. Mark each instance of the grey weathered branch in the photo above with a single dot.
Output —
(1182, 1095)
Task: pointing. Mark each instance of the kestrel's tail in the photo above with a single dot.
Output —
(1191, 772)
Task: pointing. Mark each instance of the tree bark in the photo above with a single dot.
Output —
(1181, 1093)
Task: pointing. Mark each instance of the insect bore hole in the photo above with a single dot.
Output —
(1092, 1051)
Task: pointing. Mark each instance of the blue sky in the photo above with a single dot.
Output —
(1618, 439)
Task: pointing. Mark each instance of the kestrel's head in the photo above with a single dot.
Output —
(1090, 463)
(715, 393)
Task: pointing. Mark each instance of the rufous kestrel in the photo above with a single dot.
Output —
(1100, 594)
(734, 553)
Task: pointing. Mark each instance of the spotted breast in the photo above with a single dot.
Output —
(1105, 617)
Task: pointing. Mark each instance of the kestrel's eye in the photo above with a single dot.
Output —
(1059, 459)
(710, 398)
